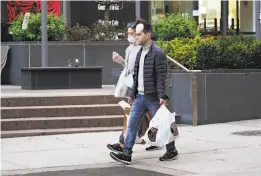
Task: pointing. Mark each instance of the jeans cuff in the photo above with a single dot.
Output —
(127, 152)
(122, 142)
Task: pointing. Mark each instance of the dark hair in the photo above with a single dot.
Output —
(140, 20)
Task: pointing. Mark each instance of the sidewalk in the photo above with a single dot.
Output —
(209, 150)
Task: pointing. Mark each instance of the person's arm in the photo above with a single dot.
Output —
(161, 73)
(121, 61)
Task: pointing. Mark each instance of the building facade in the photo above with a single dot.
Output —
(239, 13)
(234, 14)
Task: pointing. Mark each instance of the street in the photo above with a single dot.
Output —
(111, 171)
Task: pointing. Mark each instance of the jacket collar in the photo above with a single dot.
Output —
(150, 49)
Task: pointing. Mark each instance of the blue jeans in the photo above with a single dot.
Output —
(121, 140)
(139, 107)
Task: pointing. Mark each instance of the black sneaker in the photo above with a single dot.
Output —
(115, 147)
(169, 155)
(152, 148)
(121, 157)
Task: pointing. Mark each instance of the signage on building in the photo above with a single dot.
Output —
(195, 13)
(112, 7)
(87, 13)
(112, 22)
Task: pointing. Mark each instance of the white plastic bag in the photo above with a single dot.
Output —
(150, 135)
(168, 130)
(128, 80)
(121, 89)
(162, 129)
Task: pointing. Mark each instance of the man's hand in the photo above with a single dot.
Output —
(130, 101)
(116, 57)
(163, 102)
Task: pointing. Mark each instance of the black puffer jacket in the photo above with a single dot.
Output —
(155, 73)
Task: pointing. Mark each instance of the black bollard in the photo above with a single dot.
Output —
(215, 24)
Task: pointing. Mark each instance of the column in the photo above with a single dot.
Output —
(224, 17)
(67, 13)
(44, 34)
(246, 16)
(257, 19)
(137, 9)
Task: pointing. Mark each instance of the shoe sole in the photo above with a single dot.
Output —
(158, 148)
(171, 158)
(116, 151)
(121, 161)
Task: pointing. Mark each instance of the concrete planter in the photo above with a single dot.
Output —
(28, 54)
(39, 78)
(216, 96)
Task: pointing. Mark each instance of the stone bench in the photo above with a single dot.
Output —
(39, 78)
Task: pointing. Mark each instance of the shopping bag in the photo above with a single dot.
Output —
(143, 126)
(122, 90)
(139, 139)
(151, 133)
(168, 131)
(128, 80)
(162, 129)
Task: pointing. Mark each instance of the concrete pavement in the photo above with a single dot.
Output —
(208, 150)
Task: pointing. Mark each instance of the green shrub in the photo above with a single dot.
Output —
(183, 50)
(16, 30)
(228, 40)
(175, 25)
(208, 54)
(77, 33)
(55, 28)
(236, 56)
(255, 53)
(103, 31)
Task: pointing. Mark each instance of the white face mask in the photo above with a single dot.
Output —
(131, 39)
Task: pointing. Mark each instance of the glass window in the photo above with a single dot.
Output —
(212, 9)
(232, 13)
(209, 10)
(157, 10)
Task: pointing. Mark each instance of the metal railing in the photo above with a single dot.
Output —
(182, 66)
(194, 89)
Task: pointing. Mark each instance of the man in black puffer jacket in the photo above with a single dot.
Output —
(150, 74)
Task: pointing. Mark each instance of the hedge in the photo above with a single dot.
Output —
(231, 52)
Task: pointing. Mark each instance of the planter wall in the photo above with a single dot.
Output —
(222, 96)
(40, 78)
(28, 54)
